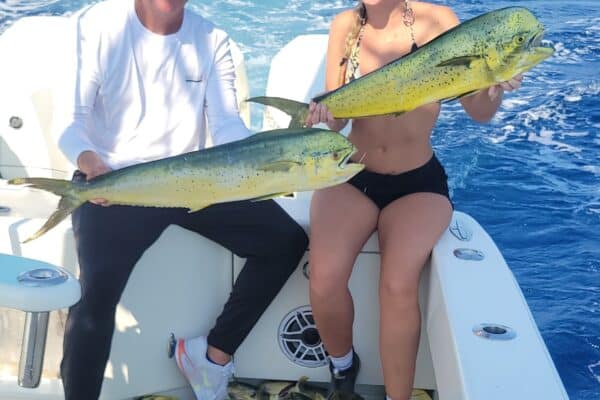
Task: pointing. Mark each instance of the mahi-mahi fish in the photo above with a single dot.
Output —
(480, 52)
(262, 166)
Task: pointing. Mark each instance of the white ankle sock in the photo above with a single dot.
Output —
(344, 362)
(389, 398)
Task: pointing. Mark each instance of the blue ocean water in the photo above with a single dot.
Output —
(531, 177)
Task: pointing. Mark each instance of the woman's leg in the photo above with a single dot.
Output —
(408, 229)
(341, 220)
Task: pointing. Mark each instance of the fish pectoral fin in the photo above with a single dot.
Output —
(464, 61)
(460, 96)
(269, 196)
(278, 166)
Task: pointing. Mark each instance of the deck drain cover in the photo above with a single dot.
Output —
(299, 339)
(469, 254)
(494, 332)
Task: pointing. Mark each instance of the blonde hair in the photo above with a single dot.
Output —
(351, 39)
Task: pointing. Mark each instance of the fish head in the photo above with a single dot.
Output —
(329, 153)
(514, 42)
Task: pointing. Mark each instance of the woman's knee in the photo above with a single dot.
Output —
(325, 285)
(399, 293)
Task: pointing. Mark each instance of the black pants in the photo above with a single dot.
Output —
(110, 240)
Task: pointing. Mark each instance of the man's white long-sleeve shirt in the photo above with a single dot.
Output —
(140, 96)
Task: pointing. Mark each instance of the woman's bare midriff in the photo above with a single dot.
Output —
(392, 145)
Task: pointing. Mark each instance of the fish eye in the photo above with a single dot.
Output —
(520, 39)
(335, 155)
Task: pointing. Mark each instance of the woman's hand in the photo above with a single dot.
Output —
(482, 106)
(318, 113)
(90, 163)
(512, 84)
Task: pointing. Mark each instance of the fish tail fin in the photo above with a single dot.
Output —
(69, 201)
(295, 109)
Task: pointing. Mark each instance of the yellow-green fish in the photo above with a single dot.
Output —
(274, 390)
(418, 394)
(241, 391)
(305, 391)
(476, 54)
(265, 165)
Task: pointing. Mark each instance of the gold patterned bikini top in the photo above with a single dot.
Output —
(353, 67)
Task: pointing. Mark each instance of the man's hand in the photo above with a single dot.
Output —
(90, 163)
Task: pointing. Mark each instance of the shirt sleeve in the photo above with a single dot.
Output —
(75, 100)
(224, 121)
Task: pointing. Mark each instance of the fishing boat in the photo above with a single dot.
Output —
(478, 337)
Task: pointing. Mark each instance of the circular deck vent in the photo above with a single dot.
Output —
(299, 339)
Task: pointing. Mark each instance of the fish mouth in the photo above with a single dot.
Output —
(348, 152)
(536, 41)
(536, 38)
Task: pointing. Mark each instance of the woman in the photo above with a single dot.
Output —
(402, 193)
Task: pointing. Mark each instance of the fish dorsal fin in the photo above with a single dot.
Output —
(462, 61)
(279, 166)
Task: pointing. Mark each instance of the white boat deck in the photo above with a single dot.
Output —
(182, 281)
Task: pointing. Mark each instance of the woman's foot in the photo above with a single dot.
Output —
(342, 381)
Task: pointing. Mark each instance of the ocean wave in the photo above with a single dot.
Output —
(20, 6)
(595, 370)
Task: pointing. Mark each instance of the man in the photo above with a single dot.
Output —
(150, 73)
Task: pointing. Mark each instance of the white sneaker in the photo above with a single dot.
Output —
(208, 380)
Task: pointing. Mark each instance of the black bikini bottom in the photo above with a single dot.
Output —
(382, 189)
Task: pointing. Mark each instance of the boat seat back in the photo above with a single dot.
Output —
(34, 85)
(38, 46)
